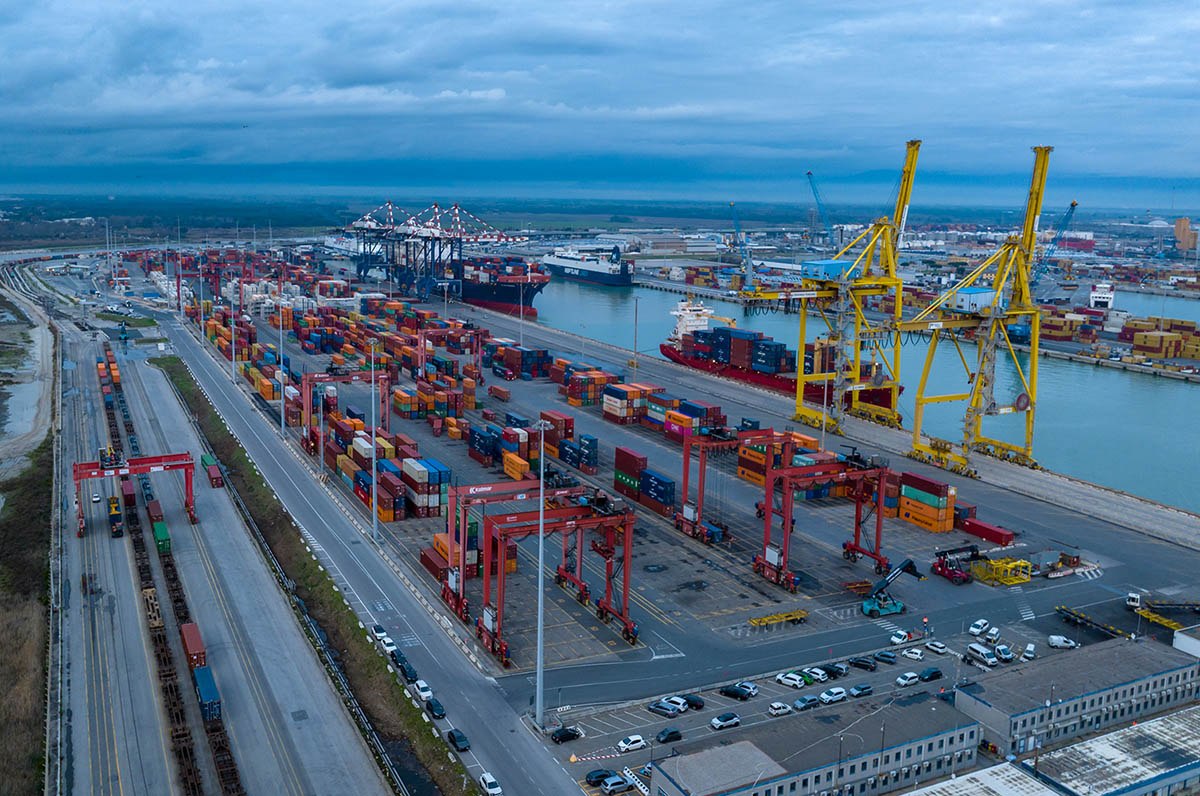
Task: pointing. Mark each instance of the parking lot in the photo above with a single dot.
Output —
(604, 729)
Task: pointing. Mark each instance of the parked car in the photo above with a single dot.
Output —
(979, 626)
(398, 658)
(435, 709)
(836, 669)
(816, 674)
(912, 653)
(389, 646)
(746, 685)
(1005, 653)
(615, 784)
(596, 778)
(1030, 652)
(735, 692)
(862, 690)
(378, 631)
(805, 702)
(790, 679)
(458, 740)
(1062, 642)
(95, 497)
(992, 635)
(936, 646)
(408, 672)
(863, 663)
(778, 709)
(423, 690)
(631, 744)
(724, 721)
(930, 674)
(694, 701)
(669, 735)
(899, 637)
(907, 679)
(489, 785)
(677, 702)
(831, 695)
(564, 734)
(663, 708)
(887, 656)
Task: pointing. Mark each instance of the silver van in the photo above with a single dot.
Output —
(978, 652)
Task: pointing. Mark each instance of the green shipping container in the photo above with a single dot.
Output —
(627, 480)
(162, 537)
(207, 459)
(913, 493)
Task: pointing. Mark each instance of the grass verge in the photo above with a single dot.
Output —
(391, 711)
(133, 322)
(25, 524)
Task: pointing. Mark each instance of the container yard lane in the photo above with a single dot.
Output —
(114, 728)
(289, 731)
(501, 743)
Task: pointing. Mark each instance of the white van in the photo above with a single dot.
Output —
(980, 653)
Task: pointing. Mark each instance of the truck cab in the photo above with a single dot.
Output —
(504, 372)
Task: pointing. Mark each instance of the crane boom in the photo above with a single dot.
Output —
(812, 181)
(743, 248)
(1060, 229)
(908, 566)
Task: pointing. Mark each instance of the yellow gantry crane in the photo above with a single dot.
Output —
(992, 297)
(865, 352)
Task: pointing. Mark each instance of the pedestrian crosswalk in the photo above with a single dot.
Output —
(1090, 574)
(1027, 613)
(890, 627)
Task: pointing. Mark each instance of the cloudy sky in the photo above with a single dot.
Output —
(689, 98)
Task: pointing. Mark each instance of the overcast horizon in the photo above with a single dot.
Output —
(634, 101)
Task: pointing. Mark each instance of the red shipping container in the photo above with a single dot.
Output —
(989, 532)
(193, 645)
(154, 509)
(434, 564)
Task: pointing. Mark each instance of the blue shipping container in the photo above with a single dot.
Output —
(207, 694)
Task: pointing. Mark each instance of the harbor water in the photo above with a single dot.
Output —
(1128, 431)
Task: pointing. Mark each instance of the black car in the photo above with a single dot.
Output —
(663, 709)
(932, 673)
(564, 734)
(841, 669)
(458, 739)
(734, 692)
(435, 708)
(694, 701)
(594, 778)
(398, 658)
(669, 735)
(863, 663)
(409, 673)
(887, 656)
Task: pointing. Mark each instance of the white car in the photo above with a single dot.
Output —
(389, 646)
(95, 497)
(816, 674)
(1062, 642)
(993, 635)
(790, 678)
(828, 697)
(907, 679)
(725, 721)
(489, 785)
(1030, 652)
(378, 632)
(748, 686)
(778, 709)
(423, 690)
(936, 646)
(631, 744)
(978, 626)
(677, 702)
(912, 653)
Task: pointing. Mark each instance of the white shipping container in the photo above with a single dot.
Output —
(417, 498)
(362, 446)
(972, 299)
(416, 471)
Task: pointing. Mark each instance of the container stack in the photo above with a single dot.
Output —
(484, 445)
(627, 473)
(657, 492)
(583, 455)
(561, 427)
(657, 406)
(926, 503)
(585, 388)
(626, 404)
(426, 484)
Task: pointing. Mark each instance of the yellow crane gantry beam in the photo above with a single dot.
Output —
(989, 312)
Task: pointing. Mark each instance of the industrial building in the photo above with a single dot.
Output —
(1004, 779)
(1157, 757)
(1187, 639)
(1048, 701)
(867, 746)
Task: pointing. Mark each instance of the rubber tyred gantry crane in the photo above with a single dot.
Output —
(139, 465)
(309, 380)
(690, 518)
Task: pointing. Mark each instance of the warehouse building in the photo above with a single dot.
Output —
(864, 746)
(1152, 758)
(1053, 699)
(1001, 780)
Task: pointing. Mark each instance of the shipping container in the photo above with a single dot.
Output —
(988, 532)
(207, 694)
(193, 645)
(215, 479)
(154, 510)
(162, 537)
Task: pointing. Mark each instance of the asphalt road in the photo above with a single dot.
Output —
(501, 742)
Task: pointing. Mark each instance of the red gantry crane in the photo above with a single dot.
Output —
(110, 465)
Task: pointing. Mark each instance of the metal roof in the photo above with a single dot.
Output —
(1001, 780)
(1121, 760)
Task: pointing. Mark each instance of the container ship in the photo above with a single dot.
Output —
(504, 284)
(590, 267)
(746, 356)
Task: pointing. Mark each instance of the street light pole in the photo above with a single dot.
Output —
(279, 364)
(521, 313)
(539, 697)
(635, 331)
(824, 412)
(374, 453)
